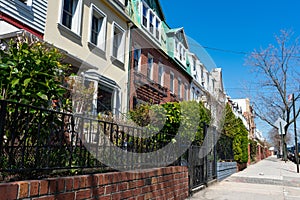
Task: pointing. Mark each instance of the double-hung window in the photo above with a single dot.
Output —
(157, 28)
(98, 28)
(145, 15)
(71, 15)
(136, 58)
(202, 76)
(151, 22)
(179, 88)
(118, 45)
(150, 67)
(160, 74)
(172, 82)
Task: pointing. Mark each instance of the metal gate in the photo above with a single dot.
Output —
(202, 160)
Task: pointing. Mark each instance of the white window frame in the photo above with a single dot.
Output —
(144, 5)
(121, 42)
(161, 74)
(150, 73)
(179, 87)
(102, 25)
(157, 29)
(180, 51)
(172, 82)
(137, 48)
(202, 76)
(151, 22)
(154, 31)
(76, 17)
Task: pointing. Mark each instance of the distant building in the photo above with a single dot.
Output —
(243, 110)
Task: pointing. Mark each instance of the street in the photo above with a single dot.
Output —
(268, 179)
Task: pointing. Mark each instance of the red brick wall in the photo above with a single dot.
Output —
(158, 57)
(160, 183)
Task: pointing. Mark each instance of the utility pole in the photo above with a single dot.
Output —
(295, 131)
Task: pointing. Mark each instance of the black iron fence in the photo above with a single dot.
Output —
(202, 160)
(37, 143)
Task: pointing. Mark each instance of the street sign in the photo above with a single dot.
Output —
(280, 123)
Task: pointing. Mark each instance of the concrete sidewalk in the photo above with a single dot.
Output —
(268, 179)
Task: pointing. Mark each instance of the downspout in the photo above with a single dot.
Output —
(130, 24)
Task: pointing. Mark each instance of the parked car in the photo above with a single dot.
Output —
(291, 153)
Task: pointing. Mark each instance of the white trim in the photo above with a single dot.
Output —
(138, 47)
(172, 89)
(101, 40)
(179, 87)
(76, 18)
(154, 20)
(152, 65)
(162, 79)
(121, 48)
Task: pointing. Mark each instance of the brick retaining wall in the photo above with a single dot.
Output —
(160, 183)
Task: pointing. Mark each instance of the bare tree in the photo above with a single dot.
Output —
(277, 67)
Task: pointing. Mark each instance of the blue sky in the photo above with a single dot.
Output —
(233, 26)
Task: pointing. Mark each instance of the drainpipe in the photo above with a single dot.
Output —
(130, 25)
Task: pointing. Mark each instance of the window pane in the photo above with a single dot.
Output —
(145, 9)
(179, 88)
(157, 29)
(160, 75)
(137, 53)
(151, 22)
(115, 44)
(95, 30)
(105, 99)
(171, 82)
(149, 69)
(68, 13)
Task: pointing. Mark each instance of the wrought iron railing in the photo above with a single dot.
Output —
(36, 142)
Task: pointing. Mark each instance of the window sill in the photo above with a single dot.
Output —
(117, 62)
(96, 50)
(68, 33)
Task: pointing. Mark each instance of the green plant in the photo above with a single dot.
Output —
(235, 130)
(32, 73)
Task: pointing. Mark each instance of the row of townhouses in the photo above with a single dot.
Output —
(124, 47)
